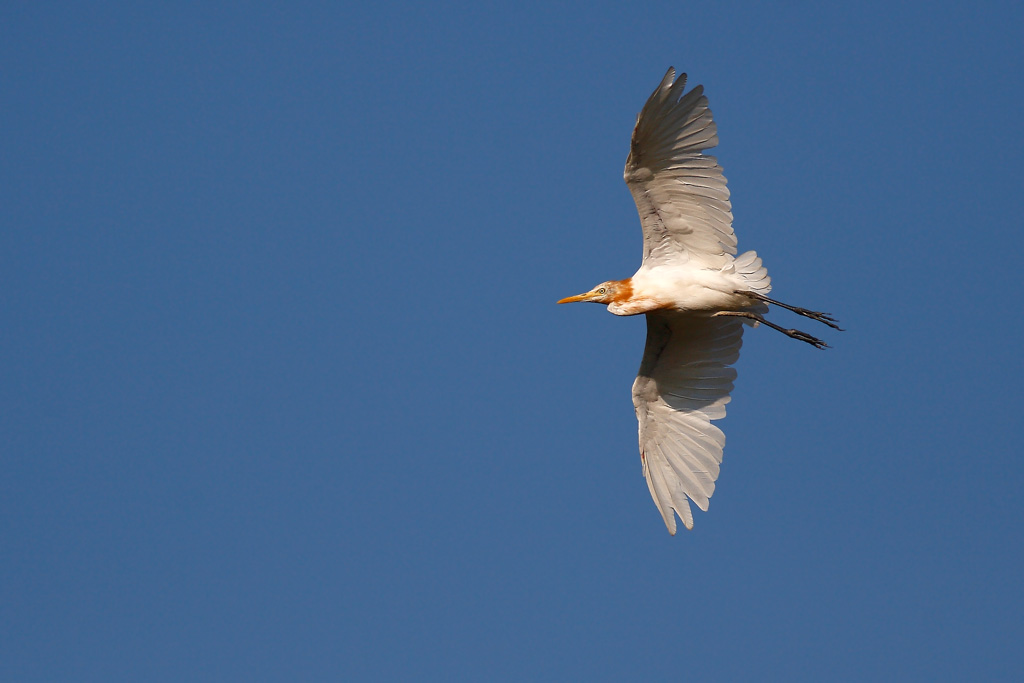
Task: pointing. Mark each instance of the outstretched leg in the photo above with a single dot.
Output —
(794, 334)
(807, 313)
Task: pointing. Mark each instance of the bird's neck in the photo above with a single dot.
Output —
(631, 298)
(623, 291)
(624, 300)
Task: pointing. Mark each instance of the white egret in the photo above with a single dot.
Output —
(695, 292)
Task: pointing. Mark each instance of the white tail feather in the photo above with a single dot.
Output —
(749, 266)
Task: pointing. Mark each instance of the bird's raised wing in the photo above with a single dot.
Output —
(683, 383)
(680, 193)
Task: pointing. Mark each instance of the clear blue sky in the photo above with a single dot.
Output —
(285, 394)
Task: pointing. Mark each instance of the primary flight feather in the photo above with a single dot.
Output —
(696, 293)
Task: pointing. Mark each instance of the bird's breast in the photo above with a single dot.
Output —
(681, 288)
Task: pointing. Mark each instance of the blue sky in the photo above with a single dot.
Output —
(285, 394)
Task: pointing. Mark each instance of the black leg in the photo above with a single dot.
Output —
(793, 334)
(807, 313)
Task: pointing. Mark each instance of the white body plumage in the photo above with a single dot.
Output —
(691, 287)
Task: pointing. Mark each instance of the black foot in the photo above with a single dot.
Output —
(804, 337)
(819, 316)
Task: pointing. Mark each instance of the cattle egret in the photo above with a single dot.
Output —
(696, 293)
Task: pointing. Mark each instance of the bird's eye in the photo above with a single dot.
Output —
(601, 291)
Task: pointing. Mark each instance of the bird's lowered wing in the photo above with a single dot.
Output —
(680, 193)
(683, 383)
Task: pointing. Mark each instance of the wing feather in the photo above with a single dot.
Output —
(659, 491)
(683, 384)
(680, 193)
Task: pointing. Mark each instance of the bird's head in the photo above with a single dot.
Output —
(604, 293)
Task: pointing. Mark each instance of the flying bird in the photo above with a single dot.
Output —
(695, 292)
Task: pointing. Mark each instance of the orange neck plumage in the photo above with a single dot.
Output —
(623, 291)
(627, 301)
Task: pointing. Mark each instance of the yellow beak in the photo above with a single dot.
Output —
(574, 299)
